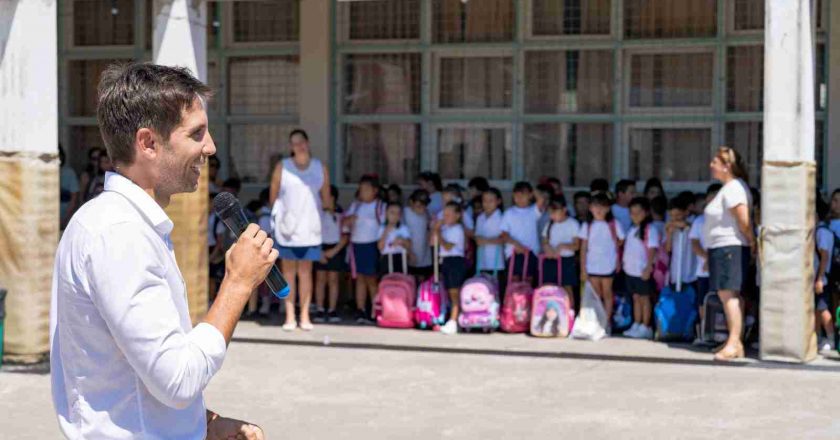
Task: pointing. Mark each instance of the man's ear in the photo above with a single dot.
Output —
(147, 143)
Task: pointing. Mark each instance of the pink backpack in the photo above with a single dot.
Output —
(480, 300)
(516, 311)
(551, 313)
(432, 299)
(394, 302)
(661, 261)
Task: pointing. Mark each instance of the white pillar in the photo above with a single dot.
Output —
(314, 79)
(180, 39)
(29, 169)
(788, 183)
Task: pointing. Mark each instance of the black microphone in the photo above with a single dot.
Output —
(230, 212)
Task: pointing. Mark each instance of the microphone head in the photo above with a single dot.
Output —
(223, 202)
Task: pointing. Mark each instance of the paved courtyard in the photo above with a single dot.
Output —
(347, 382)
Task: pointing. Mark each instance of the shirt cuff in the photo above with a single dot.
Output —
(211, 342)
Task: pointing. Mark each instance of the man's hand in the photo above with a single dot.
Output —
(222, 428)
(248, 261)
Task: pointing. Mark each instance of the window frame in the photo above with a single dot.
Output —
(433, 152)
(583, 38)
(437, 81)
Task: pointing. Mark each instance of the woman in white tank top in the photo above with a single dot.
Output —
(298, 186)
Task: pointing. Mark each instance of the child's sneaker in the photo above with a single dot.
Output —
(332, 317)
(645, 332)
(825, 345)
(631, 332)
(319, 316)
(450, 328)
(361, 317)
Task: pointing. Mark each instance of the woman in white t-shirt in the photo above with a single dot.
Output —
(299, 184)
(729, 235)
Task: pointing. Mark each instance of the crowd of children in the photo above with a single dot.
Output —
(624, 245)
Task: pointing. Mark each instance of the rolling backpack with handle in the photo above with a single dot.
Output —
(432, 298)
(674, 313)
(480, 299)
(713, 328)
(661, 261)
(516, 311)
(394, 302)
(551, 298)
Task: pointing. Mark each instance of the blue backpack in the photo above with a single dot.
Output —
(623, 314)
(675, 314)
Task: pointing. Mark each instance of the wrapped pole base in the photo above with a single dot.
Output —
(787, 262)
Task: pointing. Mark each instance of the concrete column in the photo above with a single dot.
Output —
(832, 158)
(180, 39)
(788, 183)
(29, 169)
(314, 78)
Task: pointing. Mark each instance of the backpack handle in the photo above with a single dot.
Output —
(513, 265)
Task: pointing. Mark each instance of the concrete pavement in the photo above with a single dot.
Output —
(347, 382)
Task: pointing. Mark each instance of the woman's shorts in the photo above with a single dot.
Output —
(338, 263)
(301, 253)
(638, 286)
(366, 258)
(728, 268)
(454, 272)
(569, 268)
(397, 264)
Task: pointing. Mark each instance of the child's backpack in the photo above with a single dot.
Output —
(551, 313)
(675, 313)
(432, 299)
(623, 313)
(394, 302)
(480, 299)
(661, 261)
(713, 328)
(516, 311)
(591, 323)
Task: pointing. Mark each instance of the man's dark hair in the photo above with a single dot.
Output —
(143, 95)
(623, 185)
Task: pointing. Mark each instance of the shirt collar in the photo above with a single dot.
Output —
(144, 203)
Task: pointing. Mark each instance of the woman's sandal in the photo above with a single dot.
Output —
(730, 354)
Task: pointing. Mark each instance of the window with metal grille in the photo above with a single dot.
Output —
(214, 82)
(392, 151)
(570, 17)
(575, 81)
(380, 20)
(82, 139)
(255, 148)
(575, 153)
(747, 138)
(475, 82)
(748, 15)
(266, 21)
(671, 154)
(671, 80)
(670, 18)
(745, 78)
(464, 153)
(456, 21)
(82, 82)
(382, 83)
(263, 85)
(103, 23)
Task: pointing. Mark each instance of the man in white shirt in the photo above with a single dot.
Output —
(126, 362)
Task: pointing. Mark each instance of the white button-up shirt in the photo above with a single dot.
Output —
(126, 361)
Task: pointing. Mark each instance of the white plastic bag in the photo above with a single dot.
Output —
(591, 324)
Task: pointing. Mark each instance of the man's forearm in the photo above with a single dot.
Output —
(227, 308)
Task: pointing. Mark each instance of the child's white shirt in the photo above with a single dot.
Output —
(399, 232)
(602, 249)
(489, 227)
(696, 233)
(369, 216)
(453, 234)
(636, 252)
(521, 225)
(564, 232)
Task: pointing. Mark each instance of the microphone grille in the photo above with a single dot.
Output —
(223, 202)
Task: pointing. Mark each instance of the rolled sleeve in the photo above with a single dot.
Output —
(132, 278)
